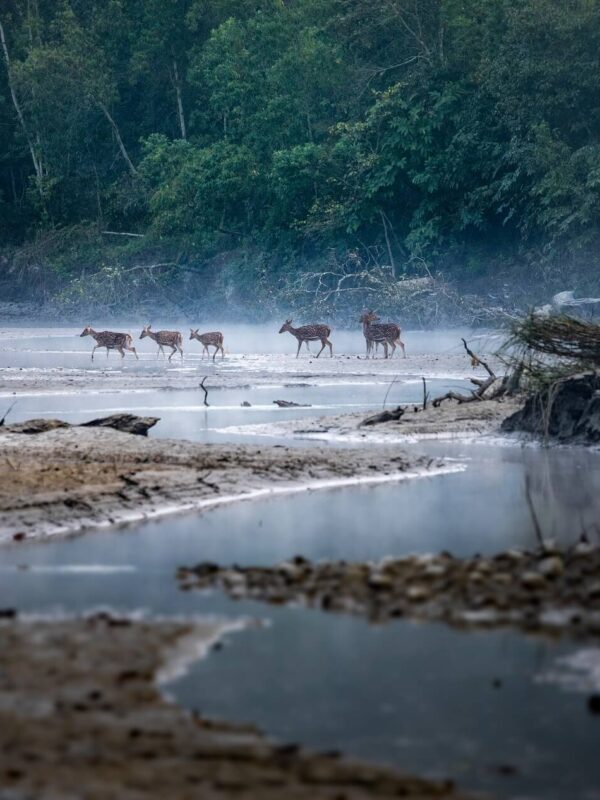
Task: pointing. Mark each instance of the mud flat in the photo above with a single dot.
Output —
(449, 421)
(550, 592)
(69, 479)
(82, 716)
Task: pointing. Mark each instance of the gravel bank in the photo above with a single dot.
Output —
(546, 592)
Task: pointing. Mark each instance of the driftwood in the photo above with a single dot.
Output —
(482, 385)
(6, 413)
(290, 404)
(205, 390)
(385, 416)
(128, 423)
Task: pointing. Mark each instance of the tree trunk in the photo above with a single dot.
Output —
(113, 125)
(177, 85)
(37, 162)
(387, 241)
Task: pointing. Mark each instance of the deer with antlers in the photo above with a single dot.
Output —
(110, 340)
(309, 333)
(385, 333)
(172, 339)
(212, 339)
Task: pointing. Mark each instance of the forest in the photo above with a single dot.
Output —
(269, 154)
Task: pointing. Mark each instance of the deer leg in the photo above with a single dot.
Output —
(94, 350)
(393, 346)
(330, 348)
(120, 349)
(134, 351)
(216, 346)
(323, 345)
(222, 352)
(401, 343)
(299, 346)
(173, 350)
(180, 348)
(107, 349)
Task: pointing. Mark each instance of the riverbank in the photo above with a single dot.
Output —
(71, 479)
(81, 711)
(450, 420)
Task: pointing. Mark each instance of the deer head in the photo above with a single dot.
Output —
(194, 333)
(145, 332)
(287, 326)
(87, 331)
(369, 316)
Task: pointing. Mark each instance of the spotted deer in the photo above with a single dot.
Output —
(172, 339)
(213, 339)
(385, 333)
(110, 340)
(309, 333)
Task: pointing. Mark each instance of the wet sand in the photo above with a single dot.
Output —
(82, 716)
(71, 479)
(450, 420)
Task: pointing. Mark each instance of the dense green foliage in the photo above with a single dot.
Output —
(464, 134)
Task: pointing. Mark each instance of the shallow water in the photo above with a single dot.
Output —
(49, 360)
(472, 706)
(182, 415)
(422, 697)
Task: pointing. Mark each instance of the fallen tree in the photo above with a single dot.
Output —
(127, 423)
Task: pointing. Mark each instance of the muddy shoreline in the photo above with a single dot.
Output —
(81, 715)
(71, 479)
(450, 421)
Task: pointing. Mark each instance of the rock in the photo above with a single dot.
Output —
(128, 423)
(379, 581)
(246, 404)
(593, 591)
(568, 411)
(386, 416)
(418, 594)
(290, 404)
(533, 580)
(594, 703)
(36, 426)
(551, 567)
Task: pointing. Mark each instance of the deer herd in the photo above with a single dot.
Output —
(375, 332)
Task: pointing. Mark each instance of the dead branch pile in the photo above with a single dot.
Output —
(562, 337)
(501, 386)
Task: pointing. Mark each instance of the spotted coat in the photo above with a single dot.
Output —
(210, 339)
(309, 333)
(172, 339)
(386, 333)
(111, 340)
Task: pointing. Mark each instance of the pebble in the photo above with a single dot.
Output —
(418, 594)
(551, 567)
(533, 580)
